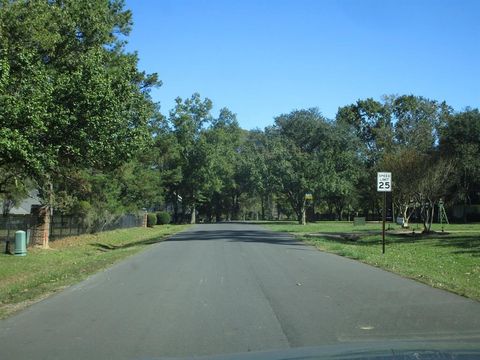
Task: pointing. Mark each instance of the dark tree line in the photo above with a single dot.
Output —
(78, 124)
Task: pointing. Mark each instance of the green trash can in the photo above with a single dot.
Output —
(20, 243)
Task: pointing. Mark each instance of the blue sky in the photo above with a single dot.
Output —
(262, 58)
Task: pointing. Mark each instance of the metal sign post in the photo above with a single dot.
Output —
(384, 184)
(383, 220)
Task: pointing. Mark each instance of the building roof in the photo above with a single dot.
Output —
(24, 207)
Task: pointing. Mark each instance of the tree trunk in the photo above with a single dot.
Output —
(432, 215)
(47, 213)
(302, 216)
(426, 212)
(235, 209)
(193, 218)
(393, 212)
(175, 209)
(262, 206)
(340, 212)
(184, 213)
(406, 218)
(424, 215)
(7, 206)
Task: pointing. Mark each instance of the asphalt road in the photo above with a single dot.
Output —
(229, 288)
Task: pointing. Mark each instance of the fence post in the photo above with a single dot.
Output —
(8, 231)
(7, 239)
(144, 219)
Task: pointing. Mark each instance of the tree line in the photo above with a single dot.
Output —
(79, 125)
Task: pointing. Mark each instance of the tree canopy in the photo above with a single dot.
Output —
(78, 124)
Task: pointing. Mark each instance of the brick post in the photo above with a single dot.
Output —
(40, 232)
(144, 219)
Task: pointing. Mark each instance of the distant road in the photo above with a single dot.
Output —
(225, 288)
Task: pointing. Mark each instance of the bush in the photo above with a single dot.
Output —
(151, 220)
(163, 218)
(81, 208)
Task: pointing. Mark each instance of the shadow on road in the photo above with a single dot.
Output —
(248, 236)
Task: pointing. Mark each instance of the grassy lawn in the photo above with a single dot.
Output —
(448, 261)
(42, 272)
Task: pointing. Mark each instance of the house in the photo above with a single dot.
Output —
(26, 204)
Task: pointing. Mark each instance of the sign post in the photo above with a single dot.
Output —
(384, 184)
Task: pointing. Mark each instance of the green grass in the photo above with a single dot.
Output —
(324, 226)
(448, 261)
(42, 272)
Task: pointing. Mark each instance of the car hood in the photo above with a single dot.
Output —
(419, 350)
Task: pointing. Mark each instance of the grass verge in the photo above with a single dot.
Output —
(24, 280)
(449, 261)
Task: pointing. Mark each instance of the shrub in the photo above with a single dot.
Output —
(163, 218)
(151, 220)
(81, 208)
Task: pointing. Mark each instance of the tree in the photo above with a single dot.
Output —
(70, 97)
(187, 120)
(222, 191)
(253, 175)
(371, 121)
(417, 121)
(432, 187)
(13, 188)
(408, 167)
(396, 125)
(298, 147)
(341, 158)
(460, 143)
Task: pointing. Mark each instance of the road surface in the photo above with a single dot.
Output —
(227, 288)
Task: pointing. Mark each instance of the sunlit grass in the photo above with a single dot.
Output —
(322, 226)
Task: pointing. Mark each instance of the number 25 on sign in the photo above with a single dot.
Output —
(384, 181)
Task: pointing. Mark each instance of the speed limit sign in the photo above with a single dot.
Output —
(384, 181)
(384, 184)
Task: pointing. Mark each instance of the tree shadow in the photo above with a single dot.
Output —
(264, 222)
(109, 247)
(246, 236)
(462, 244)
(459, 243)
